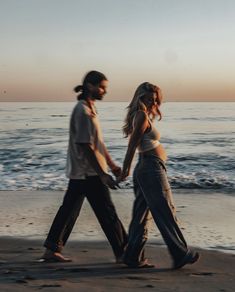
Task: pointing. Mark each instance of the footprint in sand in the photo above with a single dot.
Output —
(78, 270)
(32, 248)
(136, 278)
(199, 274)
(21, 281)
(28, 277)
(50, 286)
(148, 286)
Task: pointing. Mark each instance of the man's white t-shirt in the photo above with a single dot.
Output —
(84, 128)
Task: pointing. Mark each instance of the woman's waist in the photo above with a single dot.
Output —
(157, 152)
(150, 163)
(147, 144)
(143, 156)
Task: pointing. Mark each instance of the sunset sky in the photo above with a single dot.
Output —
(186, 47)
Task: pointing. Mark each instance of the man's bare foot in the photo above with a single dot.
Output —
(51, 256)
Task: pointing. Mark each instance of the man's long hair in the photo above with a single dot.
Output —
(92, 77)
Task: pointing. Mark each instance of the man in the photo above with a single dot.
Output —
(87, 163)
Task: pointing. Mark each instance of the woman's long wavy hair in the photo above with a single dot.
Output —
(92, 77)
(137, 104)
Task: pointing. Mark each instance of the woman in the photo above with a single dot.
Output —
(151, 187)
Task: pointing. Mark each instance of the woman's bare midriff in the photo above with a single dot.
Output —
(159, 151)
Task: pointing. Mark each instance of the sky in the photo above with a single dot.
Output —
(186, 47)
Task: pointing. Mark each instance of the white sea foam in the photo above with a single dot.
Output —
(11, 181)
(49, 175)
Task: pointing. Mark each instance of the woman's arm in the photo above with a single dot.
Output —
(140, 126)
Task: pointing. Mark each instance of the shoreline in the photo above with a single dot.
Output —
(206, 219)
(93, 269)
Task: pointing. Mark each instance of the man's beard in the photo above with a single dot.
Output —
(98, 96)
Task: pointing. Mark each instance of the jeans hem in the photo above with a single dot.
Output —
(53, 246)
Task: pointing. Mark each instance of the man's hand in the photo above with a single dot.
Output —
(116, 170)
(109, 181)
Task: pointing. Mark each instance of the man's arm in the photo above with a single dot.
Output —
(92, 159)
(116, 170)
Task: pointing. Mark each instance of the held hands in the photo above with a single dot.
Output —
(123, 176)
(109, 181)
(119, 174)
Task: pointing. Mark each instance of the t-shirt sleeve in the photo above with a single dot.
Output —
(85, 129)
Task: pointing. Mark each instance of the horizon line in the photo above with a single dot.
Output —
(201, 101)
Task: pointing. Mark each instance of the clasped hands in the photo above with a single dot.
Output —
(119, 175)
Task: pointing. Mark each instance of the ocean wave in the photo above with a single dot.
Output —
(30, 168)
(207, 119)
(34, 141)
(198, 182)
(22, 178)
(201, 159)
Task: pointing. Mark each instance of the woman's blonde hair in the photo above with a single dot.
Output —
(138, 105)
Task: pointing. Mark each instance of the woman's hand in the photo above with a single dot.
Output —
(123, 176)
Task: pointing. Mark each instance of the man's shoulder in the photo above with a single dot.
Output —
(82, 108)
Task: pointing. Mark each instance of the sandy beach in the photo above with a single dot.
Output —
(93, 269)
(207, 218)
(207, 221)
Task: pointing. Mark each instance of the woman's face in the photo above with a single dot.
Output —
(150, 100)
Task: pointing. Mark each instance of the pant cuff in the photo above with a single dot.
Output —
(56, 247)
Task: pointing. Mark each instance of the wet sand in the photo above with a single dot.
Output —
(93, 269)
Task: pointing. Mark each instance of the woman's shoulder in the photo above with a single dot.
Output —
(140, 114)
(140, 117)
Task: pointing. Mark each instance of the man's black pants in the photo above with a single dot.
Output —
(99, 198)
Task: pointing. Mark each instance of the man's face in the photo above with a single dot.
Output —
(98, 91)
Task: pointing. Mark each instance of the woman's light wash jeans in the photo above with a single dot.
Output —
(153, 194)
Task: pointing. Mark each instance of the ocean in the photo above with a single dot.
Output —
(199, 139)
